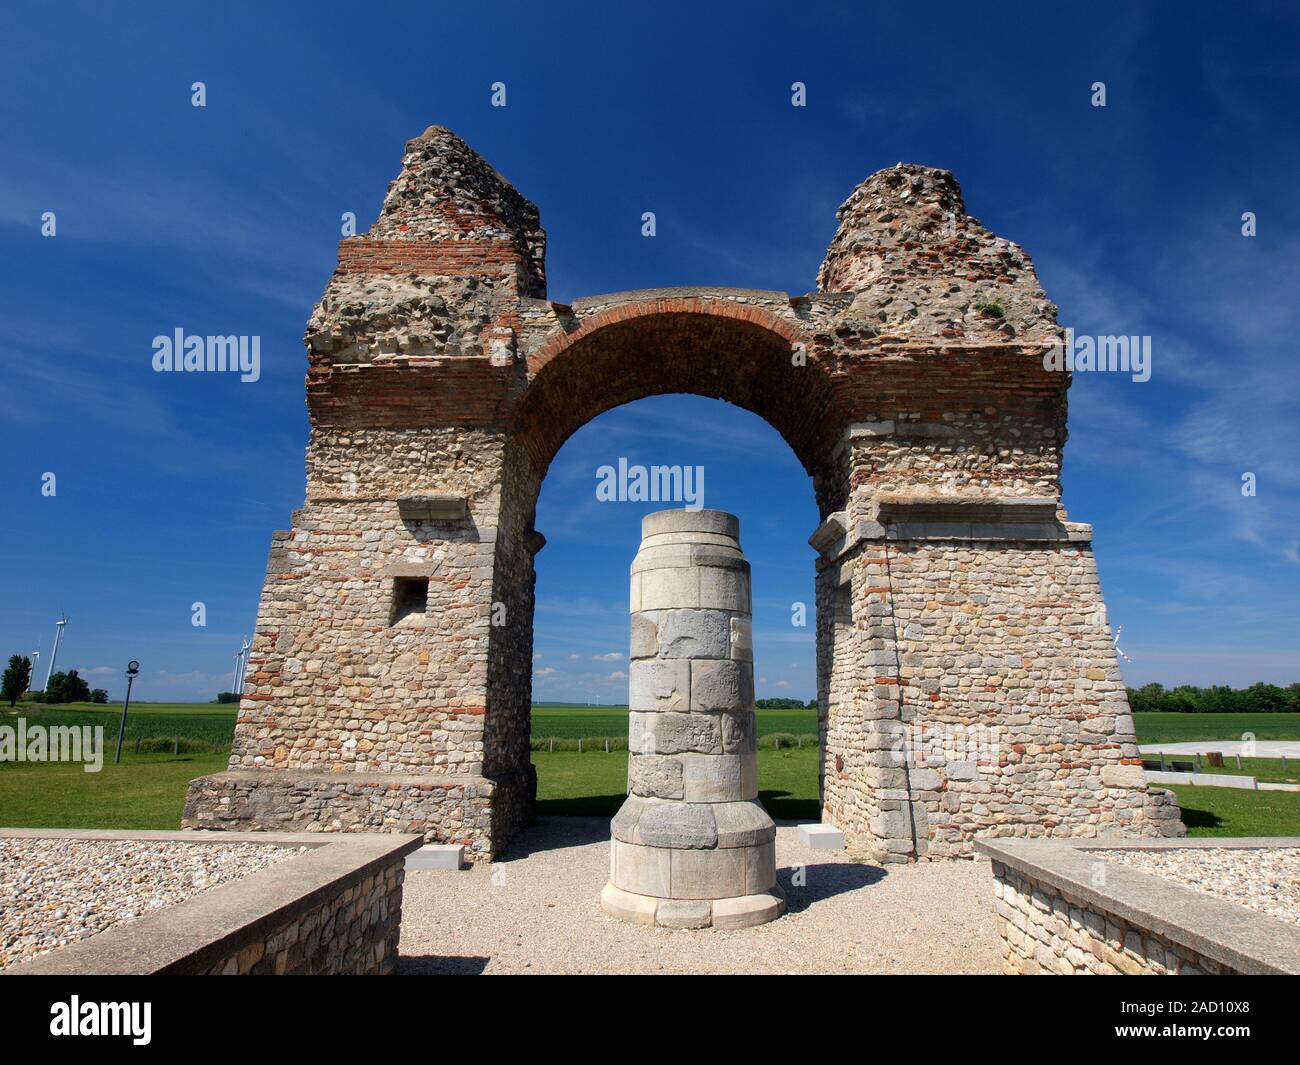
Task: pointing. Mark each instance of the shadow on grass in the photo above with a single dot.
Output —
(783, 806)
(780, 805)
(1194, 818)
(581, 806)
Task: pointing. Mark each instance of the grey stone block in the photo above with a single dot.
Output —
(684, 913)
(922, 779)
(655, 775)
(722, 589)
(718, 777)
(746, 911)
(645, 634)
(711, 874)
(656, 684)
(673, 733)
(742, 640)
(721, 685)
(821, 837)
(447, 857)
(739, 735)
(677, 824)
(695, 634)
(643, 870)
(742, 824)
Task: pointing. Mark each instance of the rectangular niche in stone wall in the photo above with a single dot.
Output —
(410, 596)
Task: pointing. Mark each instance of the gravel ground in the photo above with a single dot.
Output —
(57, 891)
(537, 910)
(1264, 880)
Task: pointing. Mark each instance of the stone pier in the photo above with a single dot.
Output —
(692, 847)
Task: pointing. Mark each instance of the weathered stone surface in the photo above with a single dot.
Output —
(684, 913)
(645, 634)
(683, 825)
(705, 759)
(657, 684)
(721, 685)
(739, 734)
(695, 634)
(719, 778)
(655, 775)
(673, 733)
(742, 639)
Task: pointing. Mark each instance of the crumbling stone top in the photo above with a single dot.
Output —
(446, 191)
(919, 265)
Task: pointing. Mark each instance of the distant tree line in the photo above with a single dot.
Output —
(67, 687)
(785, 704)
(1217, 699)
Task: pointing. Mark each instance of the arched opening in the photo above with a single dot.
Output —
(580, 630)
(730, 350)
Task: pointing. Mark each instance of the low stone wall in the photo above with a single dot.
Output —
(443, 808)
(335, 909)
(1063, 909)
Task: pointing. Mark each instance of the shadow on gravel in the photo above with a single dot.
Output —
(440, 965)
(825, 881)
(554, 833)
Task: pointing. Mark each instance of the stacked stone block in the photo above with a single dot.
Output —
(692, 847)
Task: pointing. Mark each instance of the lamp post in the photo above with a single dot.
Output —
(132, 671)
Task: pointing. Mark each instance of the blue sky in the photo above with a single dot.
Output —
(225, 219)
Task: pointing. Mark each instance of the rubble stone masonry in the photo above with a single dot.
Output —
(389, 682)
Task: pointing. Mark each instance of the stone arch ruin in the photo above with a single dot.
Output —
(959, 615)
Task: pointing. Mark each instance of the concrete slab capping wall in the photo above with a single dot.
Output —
(1063, 909)
(335, 909)
(952, 593)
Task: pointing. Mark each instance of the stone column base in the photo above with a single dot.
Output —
(744, 911)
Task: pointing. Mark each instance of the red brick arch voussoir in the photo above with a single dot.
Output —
(562, 341)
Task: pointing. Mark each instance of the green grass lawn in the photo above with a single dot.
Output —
(148, 791)
(594, 722)
(1235, 812)
(1180, 728)
(594, 784)
(145, 791)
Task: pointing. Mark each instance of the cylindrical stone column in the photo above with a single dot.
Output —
(691, 846)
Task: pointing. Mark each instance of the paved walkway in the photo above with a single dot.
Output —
(537, 911)
(1263, 748)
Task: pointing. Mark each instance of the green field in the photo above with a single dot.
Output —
(1178, 728)
(148, 790)
(595, 784)
(596, 722)
(145, 791)
(1236, 812)
(206, 723)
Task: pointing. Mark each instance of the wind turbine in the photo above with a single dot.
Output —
(241, 664)
(1119, 650)
(59, 626)
(36, 658)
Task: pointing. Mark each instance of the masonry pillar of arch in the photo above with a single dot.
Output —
(967, 682)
